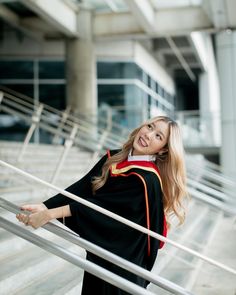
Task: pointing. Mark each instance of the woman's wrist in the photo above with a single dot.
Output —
(59, 212)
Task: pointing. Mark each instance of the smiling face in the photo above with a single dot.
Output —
(151, 138)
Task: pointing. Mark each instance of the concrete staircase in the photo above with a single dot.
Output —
(26, 269)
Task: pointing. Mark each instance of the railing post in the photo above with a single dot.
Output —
(35, 120)
(64, 117)
(1, 96)
(67, 146)
(105, 134)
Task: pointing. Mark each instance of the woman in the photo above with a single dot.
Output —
(144, 182)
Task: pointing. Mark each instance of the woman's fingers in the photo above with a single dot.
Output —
(35, 220)
(34, 207)
(23, 218)
(27, 207)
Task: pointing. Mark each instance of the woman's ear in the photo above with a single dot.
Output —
(163, 151)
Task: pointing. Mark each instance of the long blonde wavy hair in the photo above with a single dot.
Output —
(171, 165)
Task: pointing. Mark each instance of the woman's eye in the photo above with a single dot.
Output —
(158, 136)
(149, 126)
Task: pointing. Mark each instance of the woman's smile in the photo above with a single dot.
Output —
(142, 142)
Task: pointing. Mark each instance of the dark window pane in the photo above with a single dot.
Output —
(53, 95)
(111, 94)
(51, 70)
(16, 70)
(157, 87)
(161, 91)
(118, 70)
(26, 89)
(149, 81)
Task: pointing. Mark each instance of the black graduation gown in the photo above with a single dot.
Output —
(133, 190)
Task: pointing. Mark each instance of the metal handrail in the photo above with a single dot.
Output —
(50, 109)
(105, 254)
(29, 102)
(94, 147)
(84, 125)
(212, 174)
(51, 126)
(213, 192)
(69, 256)
(211, 201)
(120, 218)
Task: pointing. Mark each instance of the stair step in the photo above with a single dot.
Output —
(66, 280)
(180, 265)
(214, 281)
(28, 262)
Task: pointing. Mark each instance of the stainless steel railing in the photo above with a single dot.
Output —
(80, 132)
(72, 258)
(120, 219)
(75, 239)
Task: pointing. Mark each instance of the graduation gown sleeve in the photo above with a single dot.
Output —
(82, 188)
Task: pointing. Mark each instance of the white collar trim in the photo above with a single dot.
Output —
(149, 158)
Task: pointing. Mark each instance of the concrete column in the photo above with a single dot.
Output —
(209, 99)
(81, 68)
(226, 55)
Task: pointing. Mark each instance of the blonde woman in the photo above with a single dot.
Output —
(144, 182)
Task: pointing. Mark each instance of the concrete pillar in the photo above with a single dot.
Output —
(81, 68)
(226, 56)
(209, 99)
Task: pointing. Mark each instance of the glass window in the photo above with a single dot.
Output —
(51, 70)
(118, 70)
(26, 89)
(145, 78)
(161, 91)
(53, 95)
(112, 95)
(149, 81)
(16, 70)
(157, 87)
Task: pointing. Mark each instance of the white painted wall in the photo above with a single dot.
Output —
(209, 92)
(21, 46)
(226, 57)
(134, 51)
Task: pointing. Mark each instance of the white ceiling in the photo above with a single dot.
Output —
(167, 24)
(162, 4)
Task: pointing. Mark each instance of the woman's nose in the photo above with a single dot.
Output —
(148, 135)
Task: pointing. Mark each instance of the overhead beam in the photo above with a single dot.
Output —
(217, 12)
(198, 41)
(9, 16)
(13, 20)
(168, 22)
(57, 13)
(181, 59)
(144, 13)
(112, 5)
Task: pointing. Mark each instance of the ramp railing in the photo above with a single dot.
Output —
(120, 218)
(75, 239)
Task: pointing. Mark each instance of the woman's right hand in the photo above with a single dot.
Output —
(33, 208)
(38, 215)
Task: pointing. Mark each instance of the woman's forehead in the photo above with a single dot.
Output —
(161, 123)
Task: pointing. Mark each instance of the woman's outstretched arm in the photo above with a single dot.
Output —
(40, 215)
